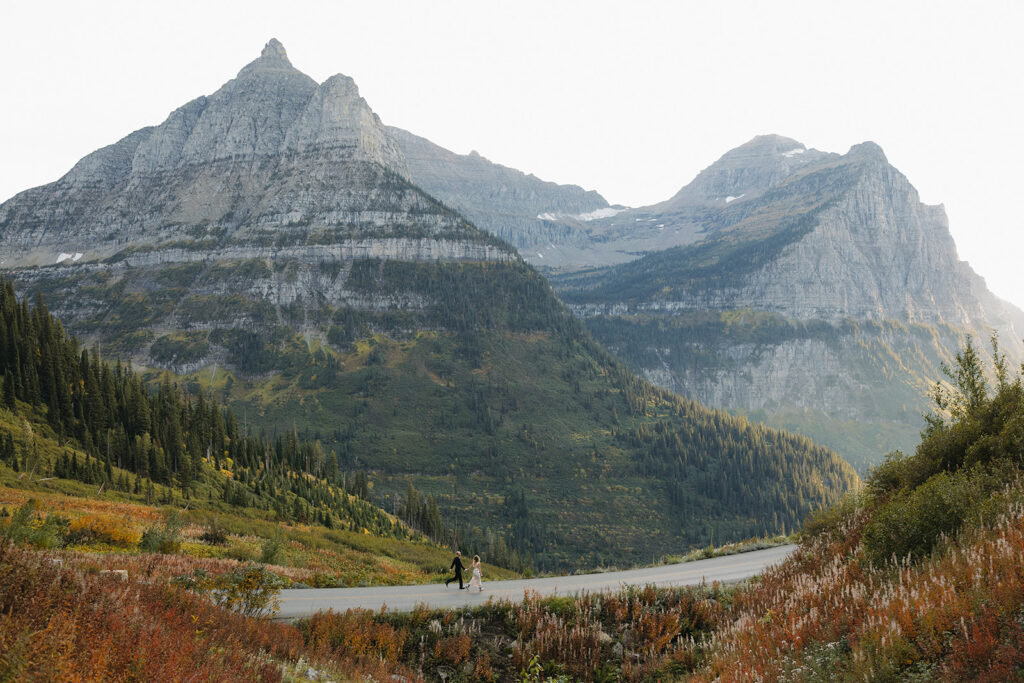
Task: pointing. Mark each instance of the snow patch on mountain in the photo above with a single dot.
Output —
(594, 215)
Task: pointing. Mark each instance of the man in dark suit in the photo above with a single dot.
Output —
(457, 566)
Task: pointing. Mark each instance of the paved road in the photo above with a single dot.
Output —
(303, 602)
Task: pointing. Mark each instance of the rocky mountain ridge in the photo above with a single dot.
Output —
(826, 294)
(521, 209)
(231, 164)
(866, 248)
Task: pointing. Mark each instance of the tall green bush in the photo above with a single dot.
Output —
(972, 446)
(163, 538)
(913, 521)
(29, 528)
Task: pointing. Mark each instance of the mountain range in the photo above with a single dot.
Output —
(810, 290)
(269, 244)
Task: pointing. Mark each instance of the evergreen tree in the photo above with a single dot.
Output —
(9, 397)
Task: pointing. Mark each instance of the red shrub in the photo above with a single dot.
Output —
(57, 624)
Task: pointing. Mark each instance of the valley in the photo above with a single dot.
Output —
(290, 269)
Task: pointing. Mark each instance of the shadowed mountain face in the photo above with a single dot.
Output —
(265, 243)
(531, 214)
(818, 293)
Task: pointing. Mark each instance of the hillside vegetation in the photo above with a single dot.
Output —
(684, 350)
(488, 396)
(88, 442)
(921, 577)
(918, 577)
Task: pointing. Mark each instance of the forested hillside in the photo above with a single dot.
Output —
(917, 577)
(670, 468)
(159, 443)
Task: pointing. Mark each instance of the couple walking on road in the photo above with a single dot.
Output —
(457, 566)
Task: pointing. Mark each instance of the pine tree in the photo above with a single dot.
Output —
(9, 398)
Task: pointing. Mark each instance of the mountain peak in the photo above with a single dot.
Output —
(272, 58)
(744, 172)
(275, 50)
(867, 149)
(770, 144)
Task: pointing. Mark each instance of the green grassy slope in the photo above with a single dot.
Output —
(919, 577)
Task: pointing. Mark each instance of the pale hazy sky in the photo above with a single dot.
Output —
(630, 99)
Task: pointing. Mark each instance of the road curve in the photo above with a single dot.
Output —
(304, 602)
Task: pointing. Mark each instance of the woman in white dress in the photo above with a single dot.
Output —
(476, 580)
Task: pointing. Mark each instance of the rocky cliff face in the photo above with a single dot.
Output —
(272, 175)
(270, 150)
(813, 267)
(533, 215)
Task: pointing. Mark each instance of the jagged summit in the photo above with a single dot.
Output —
(272, 59)
(268, 149)
(274, 50)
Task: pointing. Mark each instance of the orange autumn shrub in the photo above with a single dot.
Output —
(482, 670)
(356, 635)
(104, 529)
(70, 506)
(453, 649)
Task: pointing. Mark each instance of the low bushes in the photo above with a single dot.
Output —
(61, 625)
(635, 635)
(26, 526)
(103, 529)
(215, 534)
(355, 635)
(163, 538)
(250, 590)
(272, 549)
